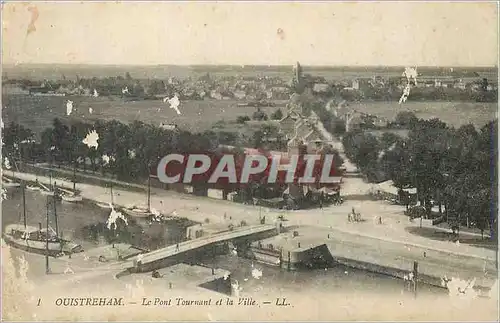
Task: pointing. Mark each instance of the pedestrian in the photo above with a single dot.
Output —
(177, 247)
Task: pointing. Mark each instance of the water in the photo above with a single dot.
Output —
(75, 221)
(85, 223)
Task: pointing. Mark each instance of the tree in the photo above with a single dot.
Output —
(242, 119)
(277, 115)
(258, 139)
(406, 119)
(259, 115)
(362, 148)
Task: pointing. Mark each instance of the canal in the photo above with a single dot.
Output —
(85, 223)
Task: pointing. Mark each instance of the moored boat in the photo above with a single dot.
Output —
(33, 188)
(47, 193)
(104, 205)
(137, 212)
(7, 182)
(38, 240)
(11, 184)
(72, 198)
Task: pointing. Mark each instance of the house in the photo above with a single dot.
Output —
(215, 95)
(321, 87)
(286, 124)
(169, 126)
(239, 94)
(459, 85)
(355, 85)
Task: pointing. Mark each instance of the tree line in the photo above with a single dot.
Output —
(128, 152)
(454, 169)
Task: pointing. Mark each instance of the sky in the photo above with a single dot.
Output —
(251, 33)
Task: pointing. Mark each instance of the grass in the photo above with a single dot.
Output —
(453, 113)
(37, 113)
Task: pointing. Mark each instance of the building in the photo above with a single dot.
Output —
(297, 73)
(321, 87)
(169, 126)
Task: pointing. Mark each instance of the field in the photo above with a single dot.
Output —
(453, 113)
(55, 72)
(37, 113)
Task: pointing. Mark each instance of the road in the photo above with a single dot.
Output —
(203, 210)
(190, 245)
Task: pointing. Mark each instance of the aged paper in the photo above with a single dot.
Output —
(275, 161)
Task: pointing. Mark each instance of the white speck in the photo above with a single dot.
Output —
(96, 94)
(131, 153)
(105, 159)
(245, 279)
(174, 103)
(69, 107)
(113, 216)
(461, 289)
(68, 269)
(91, 139)
(345, 272)
(411, 76)
(6, 163)
(125, 90)
(493, 293)
(256, 273)
(91, 110)
(226, 276)
(236, 288)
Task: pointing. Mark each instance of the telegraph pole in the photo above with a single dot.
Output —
(47, 268)
(149, 192)
(55, 214)
(24, 204)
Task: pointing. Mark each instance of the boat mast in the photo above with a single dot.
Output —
(24, 203)
(74, 177)
(111, 190)
(149, 192)
(55, 215)
(47, 269)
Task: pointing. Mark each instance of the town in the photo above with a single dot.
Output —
(232, 165)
